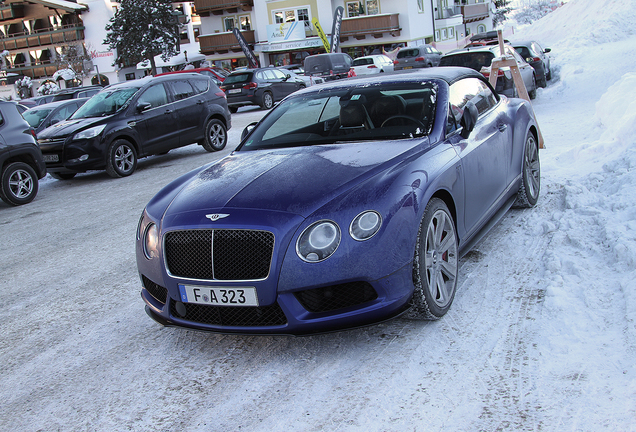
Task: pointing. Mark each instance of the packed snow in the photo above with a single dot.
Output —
(541, 336)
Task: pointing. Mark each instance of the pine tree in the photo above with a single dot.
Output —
(142, 29)
(503, 9)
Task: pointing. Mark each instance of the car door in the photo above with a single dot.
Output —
(287, 85)
(485, 154)
(155, 120)
(188, 105)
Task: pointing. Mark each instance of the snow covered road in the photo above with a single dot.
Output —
(541, 336)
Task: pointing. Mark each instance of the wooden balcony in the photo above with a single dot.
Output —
(218, 7)
(376, 25)
(11, 11)
(223, 42)
(40, 70)
(475, 12)
(70, 33)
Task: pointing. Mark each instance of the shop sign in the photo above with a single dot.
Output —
(289, 46)
(290, 31)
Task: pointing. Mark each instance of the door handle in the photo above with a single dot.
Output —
(502, 127)
(199, 102)
(168, 111)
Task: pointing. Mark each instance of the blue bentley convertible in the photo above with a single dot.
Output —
(348, 204)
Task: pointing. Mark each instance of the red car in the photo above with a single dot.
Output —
(216, 74)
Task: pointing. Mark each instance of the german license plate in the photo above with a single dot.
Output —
(232, 91)
(408, 67)
(51, 158)
(219, 296)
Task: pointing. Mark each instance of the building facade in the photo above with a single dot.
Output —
(285, 30)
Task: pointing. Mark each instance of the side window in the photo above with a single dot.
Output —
(269, 75)
(64, 112)
(1, 120)
(182, 90)
(200, 85)
(470, 89)
(155, 96)
(278, 74)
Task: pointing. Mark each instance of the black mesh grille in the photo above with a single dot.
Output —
(257, 316)
(219, 254)
(155, 290)
(336, 296)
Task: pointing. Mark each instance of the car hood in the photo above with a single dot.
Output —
(68, 127)
(296, 180)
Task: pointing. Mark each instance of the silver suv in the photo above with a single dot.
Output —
(422, 56)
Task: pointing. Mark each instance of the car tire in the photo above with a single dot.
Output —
(533, 93)
(435, 263)
(122, 159)
(62, 176)
(528, 193)
(233, 110)
(19, 184)
(267, 101)
(215, 135)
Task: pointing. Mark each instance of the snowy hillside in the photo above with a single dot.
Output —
(541, 336)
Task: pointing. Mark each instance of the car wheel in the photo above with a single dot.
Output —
(122, 159)
(435, 265)
(302, 86)
(19, 184)
(533, 93)
(62, 176)
(528, 193)
(267, 101)
(233, 110)
(215, 135)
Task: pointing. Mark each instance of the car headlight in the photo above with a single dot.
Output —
(365, 225)
(89, 133)
(151, 241)
(318, 241)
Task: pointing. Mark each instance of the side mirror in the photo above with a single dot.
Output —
(547, 50)
(141, 107)
(287, 76)
(54, 121)
(248, 130)
(469, 119)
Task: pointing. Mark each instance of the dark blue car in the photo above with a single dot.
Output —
(348, 204)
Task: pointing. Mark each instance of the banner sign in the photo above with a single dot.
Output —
(285, 32)
(335, 29)
(251, 58)
(321, 34)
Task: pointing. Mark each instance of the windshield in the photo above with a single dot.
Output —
(370, 113)
(105, 103)
(35, 117)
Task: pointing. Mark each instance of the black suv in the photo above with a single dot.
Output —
(134, 119)
(76, 93)
(20, 157)
(328, 66)
(262, 86)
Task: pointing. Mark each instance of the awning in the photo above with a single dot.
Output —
(61, 4)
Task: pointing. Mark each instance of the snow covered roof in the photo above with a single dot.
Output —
(192, 52)
(67, 6)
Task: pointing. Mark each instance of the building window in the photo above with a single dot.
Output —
(245, 23)
(437, 38)
(420, 5)
(366, 7)
(451, 32)
(229, 23)
(444, 34)
(481, 28)
(130, 76)
(291, 15)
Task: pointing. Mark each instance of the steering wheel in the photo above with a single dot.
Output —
(409, 118)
